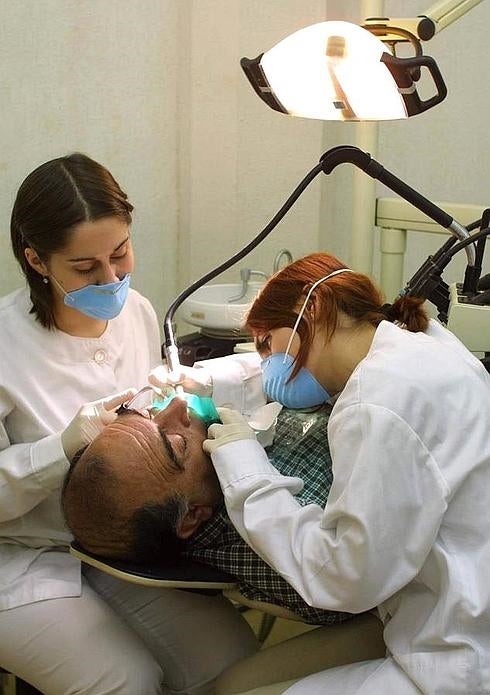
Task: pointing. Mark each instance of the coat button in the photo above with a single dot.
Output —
(100, 356)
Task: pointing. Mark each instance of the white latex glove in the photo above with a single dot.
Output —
(193, 379)
(233, 429)
(90, 420)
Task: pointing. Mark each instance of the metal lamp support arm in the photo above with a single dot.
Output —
(425, 26)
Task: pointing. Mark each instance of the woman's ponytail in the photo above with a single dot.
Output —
(408, 312)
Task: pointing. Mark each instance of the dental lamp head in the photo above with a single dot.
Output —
(339, 71)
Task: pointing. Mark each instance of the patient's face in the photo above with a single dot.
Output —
(159, 456)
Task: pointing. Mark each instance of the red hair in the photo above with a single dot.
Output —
(352, 294)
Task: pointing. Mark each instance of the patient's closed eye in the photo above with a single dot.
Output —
(176, 446)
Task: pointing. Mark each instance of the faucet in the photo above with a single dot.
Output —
(277, 260)
(245, 274)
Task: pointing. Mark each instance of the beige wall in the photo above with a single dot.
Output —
(153, 89)
(238, 159)
(95, 76)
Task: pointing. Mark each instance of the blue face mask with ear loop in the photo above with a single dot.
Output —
(303, 391)
(103, 302)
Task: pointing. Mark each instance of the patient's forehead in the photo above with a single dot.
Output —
(129, 433)
(129, 423)
(136, 446)
(132, 454)
(131, 446)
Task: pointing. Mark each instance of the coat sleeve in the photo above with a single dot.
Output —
(237, 381)
(28, 472)
(380, 522)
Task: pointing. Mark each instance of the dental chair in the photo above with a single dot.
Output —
(180, 574)
(184, 574)
(188, 575)
(312, 650)
(11, 685)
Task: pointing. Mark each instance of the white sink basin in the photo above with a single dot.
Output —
(209, 307)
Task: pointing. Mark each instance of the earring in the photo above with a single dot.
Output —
(45, 280)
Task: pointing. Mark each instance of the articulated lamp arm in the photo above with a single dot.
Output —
(425, 26)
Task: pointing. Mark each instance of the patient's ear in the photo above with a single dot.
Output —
(194, 517)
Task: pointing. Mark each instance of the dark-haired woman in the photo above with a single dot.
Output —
(406, 528)
(73, 337)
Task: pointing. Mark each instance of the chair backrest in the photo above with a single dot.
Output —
(181, 574)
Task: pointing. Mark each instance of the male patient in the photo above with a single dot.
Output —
(145, 490)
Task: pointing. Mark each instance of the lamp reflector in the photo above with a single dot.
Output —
(333, 71)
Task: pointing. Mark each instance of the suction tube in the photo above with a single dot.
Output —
(170, 347)
(342, 154)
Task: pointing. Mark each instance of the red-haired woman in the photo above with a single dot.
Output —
(406, 528)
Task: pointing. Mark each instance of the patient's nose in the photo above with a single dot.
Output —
(176, 411)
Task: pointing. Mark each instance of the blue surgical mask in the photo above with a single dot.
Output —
(98, 301)
(304, 391)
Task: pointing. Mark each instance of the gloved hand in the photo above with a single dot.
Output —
(193, 379)
(90, 420)
(233, 429)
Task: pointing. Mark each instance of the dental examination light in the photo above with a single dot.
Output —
(338, 71)
(427, 282)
